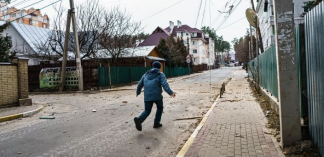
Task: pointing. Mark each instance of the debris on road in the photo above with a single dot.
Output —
(187, 118)
(124, 101)
(94, 110)
(47, 117)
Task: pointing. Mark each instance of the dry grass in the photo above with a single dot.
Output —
(303, 148)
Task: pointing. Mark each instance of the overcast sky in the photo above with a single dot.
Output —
(153, 13)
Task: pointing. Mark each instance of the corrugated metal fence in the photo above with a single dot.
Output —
(177, 71)
(126, 75)
(314, 33)
(120, 75)
(268, 70)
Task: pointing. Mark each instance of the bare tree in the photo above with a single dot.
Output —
(89, 21)
(118, 33)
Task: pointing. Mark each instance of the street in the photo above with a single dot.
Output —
(101, 123)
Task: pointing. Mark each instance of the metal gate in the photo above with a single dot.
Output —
(314, 34)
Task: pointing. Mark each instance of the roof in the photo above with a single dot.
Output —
(32, 35)
(155, 37)
(182, 28)
(141, 51)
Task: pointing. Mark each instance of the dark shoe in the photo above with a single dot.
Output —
(157, 125)
(138, 123)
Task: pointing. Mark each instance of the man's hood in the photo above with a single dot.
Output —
(153, 73)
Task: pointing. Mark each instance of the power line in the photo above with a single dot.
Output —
(231, 23)
(219, 14)
(163, 9)
(209, 14)
(24, 8)
(232, 10)
(202, 21)
(22, 2)
(34, 12)
(198, 13)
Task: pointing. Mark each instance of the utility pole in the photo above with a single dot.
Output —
(71, 16)
(66, 41)
(257, 56)
(76, 44)
(290, 125)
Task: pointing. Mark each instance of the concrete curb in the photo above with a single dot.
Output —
(191, 139)
(21, 115)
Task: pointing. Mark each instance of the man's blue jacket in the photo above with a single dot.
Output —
(153, 81)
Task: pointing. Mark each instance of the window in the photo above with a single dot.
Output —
(33, 22)
(273, 30)
(194, 60)
(13, 15)
(194, 34)
(185, 42)
(194, 51)
(194, 42)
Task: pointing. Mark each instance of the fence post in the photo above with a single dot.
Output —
(290, 126)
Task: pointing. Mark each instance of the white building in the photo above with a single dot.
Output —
(267, 19)
(201, 47)
(25, 40)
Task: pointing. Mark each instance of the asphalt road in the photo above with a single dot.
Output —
(110, 131)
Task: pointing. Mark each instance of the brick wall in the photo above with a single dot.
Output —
(8, 85)
(22, 78)
(13, 82)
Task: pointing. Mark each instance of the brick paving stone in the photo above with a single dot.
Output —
(235, 128)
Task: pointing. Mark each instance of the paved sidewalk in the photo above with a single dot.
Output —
(12, 113)
(235, 126)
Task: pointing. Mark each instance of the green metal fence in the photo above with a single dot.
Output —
(120, 75)
(314, 33)
(177, 71)
(268, 70)
(125, 75)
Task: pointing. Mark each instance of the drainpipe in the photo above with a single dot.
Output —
(144, 61)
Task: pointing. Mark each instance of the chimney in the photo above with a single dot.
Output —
(171, 26)
(179, 24)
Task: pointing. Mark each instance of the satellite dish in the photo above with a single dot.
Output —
(252, 17)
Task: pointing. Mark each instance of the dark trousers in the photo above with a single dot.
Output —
(148, 109)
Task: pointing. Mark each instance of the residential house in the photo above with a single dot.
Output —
(26, 39)
(155, 37)
(196, 39)
(31, 16)
(140, 56)
(265, 12)
(210, 48)
(201, 47)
